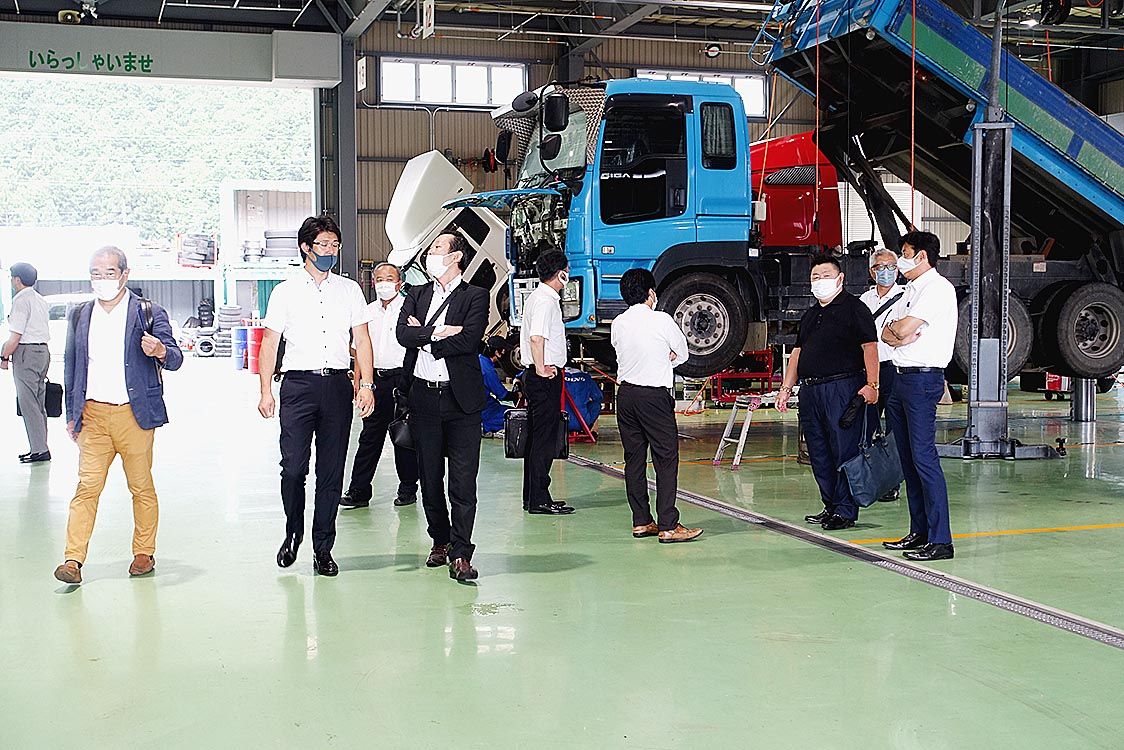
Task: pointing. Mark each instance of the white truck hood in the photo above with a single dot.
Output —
(415, 210)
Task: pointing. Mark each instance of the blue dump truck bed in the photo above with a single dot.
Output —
(1068, 180)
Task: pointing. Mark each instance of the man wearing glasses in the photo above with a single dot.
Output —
(320, 315)
(880, 298)
(115, 353)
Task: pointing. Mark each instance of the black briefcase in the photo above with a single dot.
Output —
(516, 432)
(53, 401)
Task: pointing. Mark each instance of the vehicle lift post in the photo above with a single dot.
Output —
(987, 435)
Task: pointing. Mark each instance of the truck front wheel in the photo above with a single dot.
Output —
(713, 317)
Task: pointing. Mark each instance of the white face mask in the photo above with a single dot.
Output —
(435, 265)
(106, 289)
(825, 288)
(386, 290)
(905, 265)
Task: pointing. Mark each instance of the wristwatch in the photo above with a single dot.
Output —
(872, 385)
(368, 386)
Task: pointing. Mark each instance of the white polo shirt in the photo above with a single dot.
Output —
(105, 374)
(428, 367)
(29, 317)
(316, 320)
(383, 325)
(932, 298)
(644, 338)
(871, 299)
(542, 316)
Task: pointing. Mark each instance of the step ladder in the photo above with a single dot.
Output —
(749, 404)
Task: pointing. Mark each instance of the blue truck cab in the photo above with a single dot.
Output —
(640, 174)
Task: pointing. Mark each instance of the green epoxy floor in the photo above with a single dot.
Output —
(576, 636)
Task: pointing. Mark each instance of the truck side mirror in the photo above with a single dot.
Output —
(556, 113)
(525, 102)
(550, 147)
(503, 146)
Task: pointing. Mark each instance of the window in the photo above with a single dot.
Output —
(450, 82)
(719, 142)
(750, 87)
(643, 163)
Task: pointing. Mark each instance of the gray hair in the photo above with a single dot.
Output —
(116, 252)
(881, 252)
(387, 264)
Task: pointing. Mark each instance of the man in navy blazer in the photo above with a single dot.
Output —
(115, 357)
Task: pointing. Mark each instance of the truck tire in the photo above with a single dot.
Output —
(713, 317)
(1020, 336)
(1088, 331)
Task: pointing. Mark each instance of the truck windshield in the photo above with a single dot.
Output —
(571, 156)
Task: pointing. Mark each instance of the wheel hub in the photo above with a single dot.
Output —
(1097, 331)
(704, 321)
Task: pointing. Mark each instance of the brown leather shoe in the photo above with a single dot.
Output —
(642, 531)
(462, 570)
(69, 572)
(438, 556)
(679, 534)
(142, 565)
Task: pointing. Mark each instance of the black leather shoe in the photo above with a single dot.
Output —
(930, 552)
(438, 556)
(909, 541)
(24, 456)
(287, 555)
(405, 499)
(551, 510)
(323, 564)
(891, 496)
(36, 458)
(354, 500)
(837, 522)
(462, 570)
(820, 517)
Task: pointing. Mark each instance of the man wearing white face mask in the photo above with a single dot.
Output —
(389, 355)
(836, 357)
(542, 349)
(114, 403)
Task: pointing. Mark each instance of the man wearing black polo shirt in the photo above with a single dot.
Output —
(836, 357)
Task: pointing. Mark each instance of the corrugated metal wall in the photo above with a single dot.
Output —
(179, 298)
(1112, 97)
(388, 137)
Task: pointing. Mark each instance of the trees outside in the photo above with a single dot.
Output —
(92, 151)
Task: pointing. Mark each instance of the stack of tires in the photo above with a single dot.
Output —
(205, 344)
(229, 317)
(206, 313)
(252, 251)
(281, 244)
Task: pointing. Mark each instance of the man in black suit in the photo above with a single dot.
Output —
(441, 326)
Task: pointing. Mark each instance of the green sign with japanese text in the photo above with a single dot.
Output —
(108, 61)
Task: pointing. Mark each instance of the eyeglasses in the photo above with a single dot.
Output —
(327, 245)
(885, 267)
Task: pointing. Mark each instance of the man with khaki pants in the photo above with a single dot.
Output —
(116, 351)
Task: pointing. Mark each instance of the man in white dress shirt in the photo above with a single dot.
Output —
(389, 354)
(649, 347)
(441, 325)
(542, 349)
(26, 350)
(880, 299)
(922, 331)
(319, 314)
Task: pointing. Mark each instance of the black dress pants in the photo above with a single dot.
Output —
(441, 430)
(321, 406)
(646, 419)
(371, 442)
(544, 414)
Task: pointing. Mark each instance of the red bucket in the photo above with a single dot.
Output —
(253, 347)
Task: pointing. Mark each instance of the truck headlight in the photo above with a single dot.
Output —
(572, 299)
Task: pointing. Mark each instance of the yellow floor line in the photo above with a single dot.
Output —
(1007, 532)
